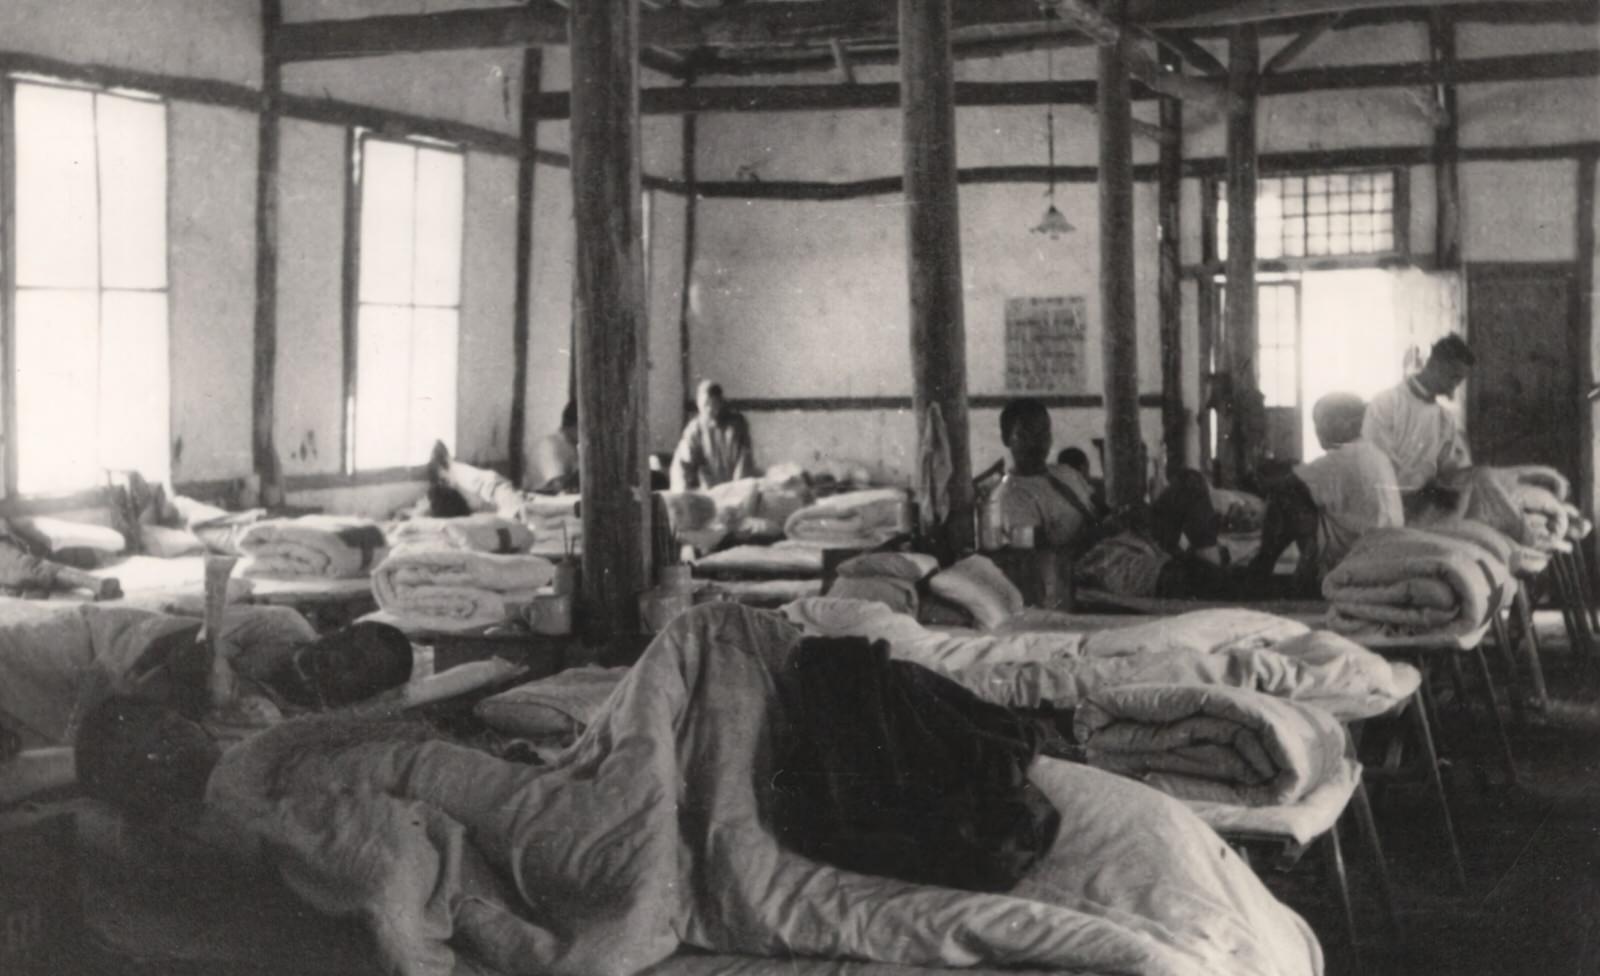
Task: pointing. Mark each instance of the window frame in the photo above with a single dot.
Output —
(12, 500)
(1399, 255)
(356, 139)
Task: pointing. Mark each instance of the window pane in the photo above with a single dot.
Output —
(383, 371)
(439, 187)
(134, 426)
(388, 198)
(56, 205)
(56, 379)
(133, 188)
(433, 381)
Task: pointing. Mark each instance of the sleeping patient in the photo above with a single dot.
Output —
(654, 832)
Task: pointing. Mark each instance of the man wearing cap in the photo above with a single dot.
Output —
(1417, 432)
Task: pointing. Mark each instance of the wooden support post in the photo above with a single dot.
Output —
(522, 302)
(610, 314)
(1169, 282)
(1119, 325)
(264, 378)
(1446, 143)
(933, 235)
(1584, 296)
(1243, 426)
(691, 217)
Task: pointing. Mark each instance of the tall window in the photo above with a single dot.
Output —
(1320, 215)
(1278, 333)
(91, 372)
(409, 304)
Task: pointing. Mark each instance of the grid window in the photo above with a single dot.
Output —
(91, 370)
(1321, 215)
(409, 304)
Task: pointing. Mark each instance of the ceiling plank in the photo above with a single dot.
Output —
(1084, 16)
(1216, 13)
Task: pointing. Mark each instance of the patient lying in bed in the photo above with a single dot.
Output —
(653, 832)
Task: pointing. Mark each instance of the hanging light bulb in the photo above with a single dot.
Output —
(1054, 223)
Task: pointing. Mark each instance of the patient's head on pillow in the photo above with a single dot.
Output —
(143, 757)
(349, 665)
(445, 502)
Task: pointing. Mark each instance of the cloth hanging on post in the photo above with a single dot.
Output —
(935, 468)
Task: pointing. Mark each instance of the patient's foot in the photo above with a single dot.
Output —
(438, 463)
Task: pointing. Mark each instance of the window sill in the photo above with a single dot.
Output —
(52, 504)
(358, 479)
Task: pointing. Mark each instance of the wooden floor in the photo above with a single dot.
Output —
(1532, 852)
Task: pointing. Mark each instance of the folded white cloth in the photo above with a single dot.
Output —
(480, 533)
(1411, 581)
(1227, 745)
(853, 518)
(457, 589)
(327, 546)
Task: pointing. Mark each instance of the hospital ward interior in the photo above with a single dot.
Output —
(804, 487)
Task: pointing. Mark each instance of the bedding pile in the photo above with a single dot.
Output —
(555, 523)
(316, 546)
(1219, 744)
(854, 518)
(1528, 504)
(1060, 669)
(1406, 582)
(456, 589)
(648, 836)
(479, 533)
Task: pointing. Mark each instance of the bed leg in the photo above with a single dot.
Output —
(1430, 757)
(1508, 660)
(1529, 646)
(1341, 882)
(1369, 829)
(1491, 699)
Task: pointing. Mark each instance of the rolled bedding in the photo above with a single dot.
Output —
(854, 518)
(1214, 743)
(313, 546)
(555, 523)
(479, 533)
(1526, 504)
(1406, 582)
(457, 589)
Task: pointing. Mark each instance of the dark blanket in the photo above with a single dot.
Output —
(888, 768)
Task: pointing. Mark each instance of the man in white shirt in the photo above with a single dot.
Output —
(1413, 429)
(715, 447)
(555, 457)
(1053, 500)
(1325, 506)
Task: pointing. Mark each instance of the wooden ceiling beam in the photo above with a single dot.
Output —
(1191, 51)
(1285, 55)
(1219, 13)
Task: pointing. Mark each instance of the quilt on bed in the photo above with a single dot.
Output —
(1220, 744)
(1059, 669)
(647, 837)
(327, 546)
(456, 589)
(1412, 581)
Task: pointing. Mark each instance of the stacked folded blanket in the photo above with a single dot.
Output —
(316, 546)
(1413, 581)
(855, 518)
(479, 533)
(457, 589)
(1226, 745)
(1527, 504)
(556, 525)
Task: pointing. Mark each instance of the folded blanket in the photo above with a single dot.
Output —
(456, 589)
(54, 535)
(1060, 668)
(1411, 581)
(556, 525)
(854, 518)
(1212, 743)
(330, 546)
(1526, 504)
(480, 533)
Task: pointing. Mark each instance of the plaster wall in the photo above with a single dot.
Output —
(216, 39)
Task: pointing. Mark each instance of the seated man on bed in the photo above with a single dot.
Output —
(1053, 501)
(555, 458)
(1323, 507)
(715, 447)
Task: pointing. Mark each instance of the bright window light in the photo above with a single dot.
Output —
(409, 305)
(92, 377)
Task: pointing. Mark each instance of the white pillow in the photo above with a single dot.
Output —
(978, 585)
